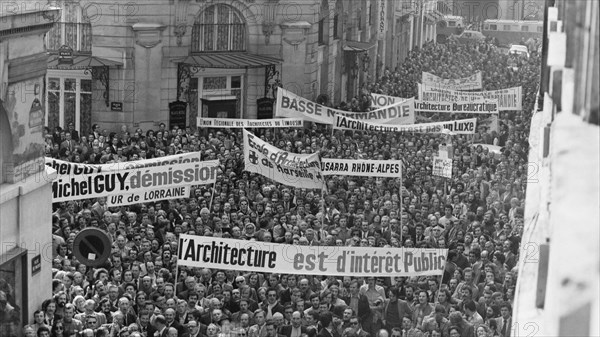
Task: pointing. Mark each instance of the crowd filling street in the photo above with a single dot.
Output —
(477, 215)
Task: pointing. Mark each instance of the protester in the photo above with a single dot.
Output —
(477, 215)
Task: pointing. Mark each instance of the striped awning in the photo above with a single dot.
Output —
(82, 62)
(228, 60)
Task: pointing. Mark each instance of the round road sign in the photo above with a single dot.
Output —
(92, 247)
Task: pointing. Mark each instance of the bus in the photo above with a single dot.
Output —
(509, 32)
(449, 25)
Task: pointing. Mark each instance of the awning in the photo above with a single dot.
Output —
(431, 11)
(82, 62)
(356, 46)
(229, 60)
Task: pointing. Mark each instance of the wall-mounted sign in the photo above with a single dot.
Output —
(116, 106)
(65, 55)
(36, 264)
(264, 108)
(177, 114)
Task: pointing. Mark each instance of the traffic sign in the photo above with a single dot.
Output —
(92, 247)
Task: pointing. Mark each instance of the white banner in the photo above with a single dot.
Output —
(508, 99)
(250, 123)
(462, 126)
(132, 182)
(382, 101)
(481, 107)
(298, 170)
(290, 105)
(267, 257)
(362, 168)
(473, 82)
(442, 167)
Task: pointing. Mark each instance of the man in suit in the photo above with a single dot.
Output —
(295, 329)
(394, 309)
(505, 320)
(99, 207)
(160, 327)
(511, 259)
(194, 329)
(74, 133)
(271, 305)
(359, 303)
(172, 323)
(258, 329)
(69, 143)
(287, 202)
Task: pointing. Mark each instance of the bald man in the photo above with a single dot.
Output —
(295, 329)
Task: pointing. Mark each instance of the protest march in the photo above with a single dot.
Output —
(391, 220)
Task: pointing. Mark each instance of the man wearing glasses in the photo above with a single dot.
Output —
(355, 325)
(91, 322)
(195, 329)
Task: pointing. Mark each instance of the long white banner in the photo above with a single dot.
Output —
(382, 101)
(473, 82)
(250, 123)
(290, 105)
(508, 99)
(462, 126)
(261, 257)
(298, 170)
(132, 182)
(362, 168)
(481, 107)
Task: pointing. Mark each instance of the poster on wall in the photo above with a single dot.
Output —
(25, 111)
(177, 114)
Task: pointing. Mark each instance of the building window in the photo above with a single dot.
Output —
(370, 14)
(524, 28)
(219, 28)
(507, 28)
(69, 100)
(540, 29)
(220, 96)
(72, 30)
(336, 34)
(321, 32)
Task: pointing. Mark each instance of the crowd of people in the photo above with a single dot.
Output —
(477, 215)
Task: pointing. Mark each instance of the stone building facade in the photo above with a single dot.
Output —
(146, 62)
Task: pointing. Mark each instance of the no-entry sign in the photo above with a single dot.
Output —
(92, 247)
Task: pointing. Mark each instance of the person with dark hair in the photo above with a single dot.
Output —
(394, 309)
(504, 322)
(43, 331)
(465, 328)
(327, 325)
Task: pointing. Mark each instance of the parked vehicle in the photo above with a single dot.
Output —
(509, 32)
(448, 26)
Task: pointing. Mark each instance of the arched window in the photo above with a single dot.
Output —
(73, 29)
(219, 28)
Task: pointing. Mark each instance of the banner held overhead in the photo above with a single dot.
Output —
(261, 257)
